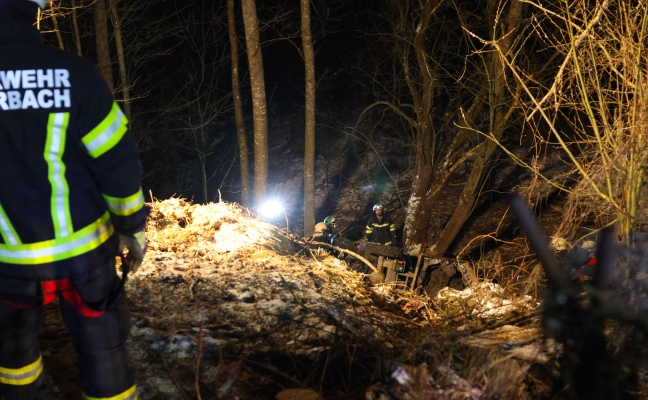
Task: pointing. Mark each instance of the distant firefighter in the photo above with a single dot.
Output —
(321, 233)
(380, 227)
(324, 232)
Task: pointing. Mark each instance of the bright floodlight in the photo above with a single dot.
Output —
(271, 208)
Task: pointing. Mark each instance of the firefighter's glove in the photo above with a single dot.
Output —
(136, 245)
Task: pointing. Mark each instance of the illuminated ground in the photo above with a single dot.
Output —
(229, 307)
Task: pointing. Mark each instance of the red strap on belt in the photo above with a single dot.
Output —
(52, 289)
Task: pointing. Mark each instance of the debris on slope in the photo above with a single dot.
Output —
(226, 306)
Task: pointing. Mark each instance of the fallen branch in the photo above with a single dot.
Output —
(349, 252)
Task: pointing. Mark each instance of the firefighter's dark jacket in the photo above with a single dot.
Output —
(383, 231)
(69, 167)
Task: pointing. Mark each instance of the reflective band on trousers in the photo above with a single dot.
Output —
(130, 394)
(22, 376)
(79, 242)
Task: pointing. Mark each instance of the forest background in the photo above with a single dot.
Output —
(461, 87)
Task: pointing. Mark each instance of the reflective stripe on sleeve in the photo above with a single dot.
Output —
(80, 242)
(108, 133)
(22, 376)
(125, 206)
(130, 394)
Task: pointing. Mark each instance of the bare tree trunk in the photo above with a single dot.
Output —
(259, 113)
(238, 107)
(102, 42)
(428, 180)
(123, 76)
(309, 128)
(499, 117)
(201, 145)
(56, 28)
(77, 34)
(439, 155)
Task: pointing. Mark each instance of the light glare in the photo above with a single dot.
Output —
(271, 208)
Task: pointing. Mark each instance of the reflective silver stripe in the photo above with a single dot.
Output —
(54, 148)
(22, 376)
(7, 230)
(105, 135)
(125, 205)
(80, 242)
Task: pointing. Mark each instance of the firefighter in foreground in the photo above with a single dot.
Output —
(380, 228)
(70, 199)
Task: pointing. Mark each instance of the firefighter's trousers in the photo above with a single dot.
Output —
(95, 312)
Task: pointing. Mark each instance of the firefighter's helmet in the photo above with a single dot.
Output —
(329, 220)
(320, 227)
(377, 207)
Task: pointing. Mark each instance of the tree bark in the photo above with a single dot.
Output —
(259, 111)
(77, 34)
(124, 83)
(238, 106)
(309, 128)
(102, 42)
(422, 83)
(439, 156)
(59, 37)
(500, 114)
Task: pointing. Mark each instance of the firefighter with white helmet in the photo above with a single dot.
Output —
(319, 232)
(71, 199)
(323, 231)
(380, 227)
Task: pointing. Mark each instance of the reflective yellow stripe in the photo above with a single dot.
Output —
(22, 376)
(53, 154)
(130, 394)
(80, 242)
(125, 205)
(108, 133)
(7, 230)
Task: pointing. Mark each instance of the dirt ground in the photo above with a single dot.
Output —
(227, 306)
